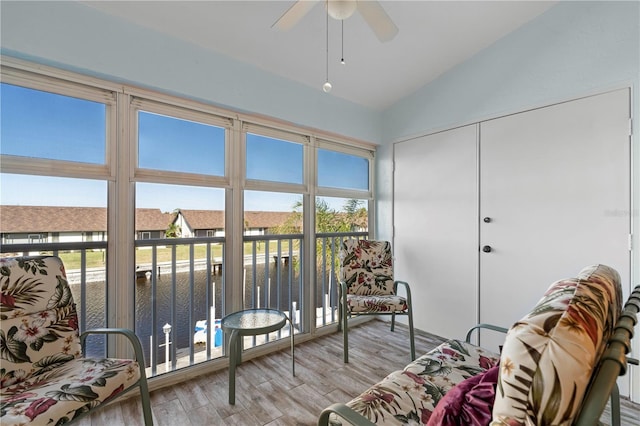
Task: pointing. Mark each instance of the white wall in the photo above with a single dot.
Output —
(75, 37)
(572, 50)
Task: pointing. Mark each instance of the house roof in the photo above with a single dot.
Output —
(153, 220)
(214, 219)
(204, 219)
(94, 219)
(52, 219)
(73, 219)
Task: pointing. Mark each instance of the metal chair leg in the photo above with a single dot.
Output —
(345, 329)
(411, 335)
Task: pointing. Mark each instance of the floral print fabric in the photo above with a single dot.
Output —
(410, 396)
(549, 356)
(43, 378)
(367, 270)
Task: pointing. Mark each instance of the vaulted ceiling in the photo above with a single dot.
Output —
(433, 37)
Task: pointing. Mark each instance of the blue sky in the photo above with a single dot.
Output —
(45, 125)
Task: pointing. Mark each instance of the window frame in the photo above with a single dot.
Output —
(139, 103)
(121, 173)
(369, 155)
(62, 168)
(284, 135)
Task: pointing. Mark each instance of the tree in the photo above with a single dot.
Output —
(352, 217)
(173, 231)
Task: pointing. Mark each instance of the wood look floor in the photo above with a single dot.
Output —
(267, 393)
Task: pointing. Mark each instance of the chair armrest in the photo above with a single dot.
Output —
(130, 335)
(487, 326)
(344, 412)
(343, 287)
(406, 287)
(612, 364)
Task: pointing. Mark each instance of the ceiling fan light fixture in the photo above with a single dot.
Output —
(341, 9)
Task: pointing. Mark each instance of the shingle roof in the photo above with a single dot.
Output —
(204, 219)
(94, 219)
(214, 219)
(73, 219)
(153, 220)
(52, 219)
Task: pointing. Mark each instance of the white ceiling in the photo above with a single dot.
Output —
(433, 37)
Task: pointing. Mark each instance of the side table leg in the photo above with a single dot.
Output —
(293, 359)
(233, 357)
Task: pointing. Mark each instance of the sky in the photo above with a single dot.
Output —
(45, 125)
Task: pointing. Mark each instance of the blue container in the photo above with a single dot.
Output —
(200, 333)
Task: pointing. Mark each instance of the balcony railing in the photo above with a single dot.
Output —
(180, 286)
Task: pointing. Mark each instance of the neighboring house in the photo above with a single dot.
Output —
(210, 223)
(200, 223)
(259, 223)
(51, 224)
(47, 224)
(152, 223)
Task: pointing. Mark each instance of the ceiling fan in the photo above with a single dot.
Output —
(371, 11)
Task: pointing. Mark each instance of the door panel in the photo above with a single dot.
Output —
(435, 221)
(552, 180)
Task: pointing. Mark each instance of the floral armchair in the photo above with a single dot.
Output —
(44, 377)
(367, 287)
(558, 366)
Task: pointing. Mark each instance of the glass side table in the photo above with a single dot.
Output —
(251, 322)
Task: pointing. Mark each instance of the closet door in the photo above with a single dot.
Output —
(436, 227)
(554, 198)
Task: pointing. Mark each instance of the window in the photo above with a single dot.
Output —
(46, 210)
(162, 185)
(340, 170)
(46, 125)
(341, 215)
(174, 144)
(175, 285)
(274, 160)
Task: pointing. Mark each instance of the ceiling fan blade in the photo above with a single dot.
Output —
(293, 15)
(378, 20)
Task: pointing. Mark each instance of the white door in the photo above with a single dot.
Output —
(554, 185)
(436, 228)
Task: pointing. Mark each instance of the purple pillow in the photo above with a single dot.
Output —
(470, 402)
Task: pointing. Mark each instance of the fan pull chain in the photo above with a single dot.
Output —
(327, 86)
(342, 57)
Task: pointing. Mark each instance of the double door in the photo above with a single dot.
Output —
(487, 216)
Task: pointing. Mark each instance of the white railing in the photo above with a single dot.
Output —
(180, 283)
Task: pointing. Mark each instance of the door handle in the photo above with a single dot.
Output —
(487, 220)
(486, 249)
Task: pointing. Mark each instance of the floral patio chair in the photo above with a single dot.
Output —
(367, 286)
(44, 377)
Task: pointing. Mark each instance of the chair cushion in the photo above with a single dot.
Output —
(61, 393)
(548, 356)
(39, 319)
(31, 284)
(410, 396)
(367, 267)
(36, 343)
(386, 304)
